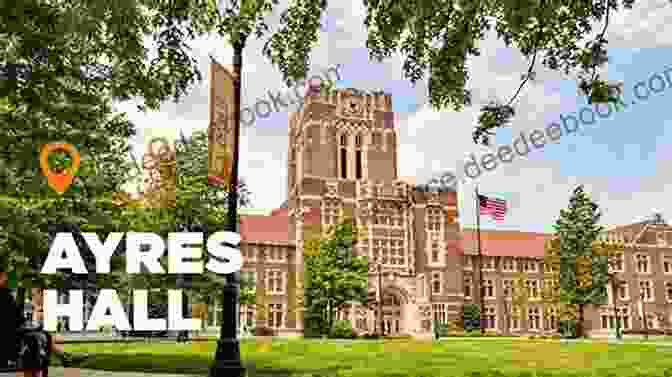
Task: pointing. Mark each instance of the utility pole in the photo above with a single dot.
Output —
(480, 263)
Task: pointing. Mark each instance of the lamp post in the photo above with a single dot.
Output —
(227, 361)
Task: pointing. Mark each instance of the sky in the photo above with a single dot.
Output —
(622, 160)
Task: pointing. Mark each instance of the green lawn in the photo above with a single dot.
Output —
(452, 357)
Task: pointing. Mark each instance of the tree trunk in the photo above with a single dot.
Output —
(579, 324)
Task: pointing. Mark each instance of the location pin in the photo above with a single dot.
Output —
(59, 182)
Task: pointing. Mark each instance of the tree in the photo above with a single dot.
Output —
(439, 37)
(520, 297)
(334, 275)
(584, 273)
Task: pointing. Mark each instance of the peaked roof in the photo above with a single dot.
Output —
(505, 243)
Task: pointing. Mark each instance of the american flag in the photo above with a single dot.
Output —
(494, 207)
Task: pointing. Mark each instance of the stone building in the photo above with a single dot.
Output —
(343, 155)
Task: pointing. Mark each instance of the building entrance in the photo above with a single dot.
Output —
(392, 314)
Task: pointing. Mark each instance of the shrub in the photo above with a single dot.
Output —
(371, 336)
(440, 329)
(532, 337)
(556, 337)
(646, 332)
(471, 317)
(342, 330)
(568, 329)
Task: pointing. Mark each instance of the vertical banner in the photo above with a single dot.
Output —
(220, 126)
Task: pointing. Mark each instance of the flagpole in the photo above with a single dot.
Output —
(480, 261)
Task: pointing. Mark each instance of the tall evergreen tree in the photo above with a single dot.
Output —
(584, 269)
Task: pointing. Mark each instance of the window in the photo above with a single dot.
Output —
(516, 319)
(344, 141)
(651, 321)
(344, 163)
(668, 291)
(490, 318)
(488, 289)
(249, 277)
(609, 321)
(434, 219)
(467, 287)
(532, 288)
(376, 139)
(276, 254)
(618, 264)
(642, 261)
(358, 164)
(468, 263)
(623, 291)
(358, 141)
(530, 265)
(667, 264)
(331, 210)
(508, 264)
(249, 253)
(646, 290)
(275, 317)
(275, 282)
(440, 313)
(488, 263)
(534, 318)
(551, 319)
(247, 315)
(508, 287)
(436, 282)
(435, 252)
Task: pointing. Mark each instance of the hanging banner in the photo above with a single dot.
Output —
(220, 127)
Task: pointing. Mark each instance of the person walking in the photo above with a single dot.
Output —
(12, 321)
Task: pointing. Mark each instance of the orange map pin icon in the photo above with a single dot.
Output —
(59, 182)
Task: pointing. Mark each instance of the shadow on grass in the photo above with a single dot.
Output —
(189, 365)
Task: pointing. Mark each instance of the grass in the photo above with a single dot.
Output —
(450, 357)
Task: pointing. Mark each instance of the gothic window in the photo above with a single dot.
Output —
(646, 290)
(376, 139)
(358, 164)
(508, 264)
(667, 264)
(247, 315)
(508, 287)
(344, 141)
(642, 261)
(467, 287)
(344, 163)
(434, 219)
(490, 318)
(276, 315)
(488, 289)
(617, 265)
(331, 210)
(534, 318)
(275, 282)
(358, 141)
(435, 252)
(623, 290)
(436, 283)
(488, 263)
(668, 291)
(532, 288)
(440, 313)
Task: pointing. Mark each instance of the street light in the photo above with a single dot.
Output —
(227, 361)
